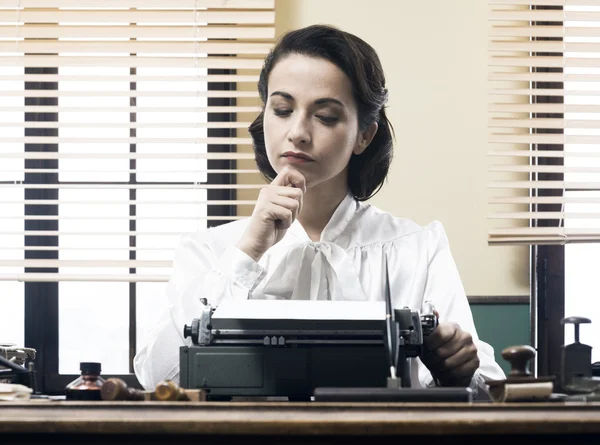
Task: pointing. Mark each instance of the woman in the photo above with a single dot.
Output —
(325, 143)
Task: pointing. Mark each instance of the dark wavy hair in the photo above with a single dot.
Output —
(359, 61)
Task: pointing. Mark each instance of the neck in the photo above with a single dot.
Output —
(319, 204)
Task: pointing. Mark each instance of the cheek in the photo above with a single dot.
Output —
(273, 130)
(339, 143)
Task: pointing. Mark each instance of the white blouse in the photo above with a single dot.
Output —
(346, 264)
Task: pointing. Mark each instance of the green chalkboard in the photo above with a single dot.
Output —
(502, 325)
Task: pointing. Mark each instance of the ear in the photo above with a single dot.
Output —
(365, 138)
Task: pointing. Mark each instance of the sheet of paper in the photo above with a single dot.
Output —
(11, 391)
(301, 310)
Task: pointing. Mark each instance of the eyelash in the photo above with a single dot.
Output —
(327, 120)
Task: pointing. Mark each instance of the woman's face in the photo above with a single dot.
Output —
(311, 121)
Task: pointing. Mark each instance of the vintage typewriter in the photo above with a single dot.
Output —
(303, 350)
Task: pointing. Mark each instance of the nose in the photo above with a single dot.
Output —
(299, 132)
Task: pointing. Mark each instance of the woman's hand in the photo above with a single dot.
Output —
(276, 209)
(450, 354)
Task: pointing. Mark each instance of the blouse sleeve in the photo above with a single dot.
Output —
(445, 290)
(199, 271)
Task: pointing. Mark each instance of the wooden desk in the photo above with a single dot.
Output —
(295, 423)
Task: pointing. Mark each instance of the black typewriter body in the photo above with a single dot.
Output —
(291, 358)
(288, 362)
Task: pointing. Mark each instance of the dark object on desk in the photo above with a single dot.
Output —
(576, 358)
(577, 372)
(406, 395)
(116, 389)
(168, 391)
(17, 373)
(520, 385)
(88, 385)
(291, 358)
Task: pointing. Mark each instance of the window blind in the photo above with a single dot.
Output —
(544, 121)
(122, 123)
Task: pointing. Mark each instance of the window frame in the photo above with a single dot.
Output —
(41, 317)
(548, 261)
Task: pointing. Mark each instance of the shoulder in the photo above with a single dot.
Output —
(376, 226)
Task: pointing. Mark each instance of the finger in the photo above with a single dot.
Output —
(289, 176)
(288, 203)
(291, 192)
(281, 215)
(441, 335)
(461, 357)
(460, 341)
(463, 372)
(437, 356)
(297, 179)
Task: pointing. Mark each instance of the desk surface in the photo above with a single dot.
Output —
(301, 419)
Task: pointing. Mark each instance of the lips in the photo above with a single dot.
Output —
(297, 155)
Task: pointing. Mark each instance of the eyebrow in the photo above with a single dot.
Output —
(321, 101)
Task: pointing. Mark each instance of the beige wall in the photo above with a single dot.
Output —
(434, 56)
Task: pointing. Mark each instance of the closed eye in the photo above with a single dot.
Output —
(281, 112)
(329, 120)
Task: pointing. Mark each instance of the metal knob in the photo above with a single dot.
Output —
(518, 357)
(192, 331)
(575, 321)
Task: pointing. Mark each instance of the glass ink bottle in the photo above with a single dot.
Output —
(87, 386)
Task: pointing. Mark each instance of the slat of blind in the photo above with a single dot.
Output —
(543, 169)
(129, 93)
(543, 154)
(543, 139)
(239, 78)
(212, 109)
(91, 47)
(539, 92)
(119, 218)
(190, 4)
(544, 215)
(544, 200)
(542, 108)
(48, 124)
(113, 278)
(545, 185)
(566, 238)
(116, 170)
(62, 155)
(132, 62)
(94, 248)
(137, 32)
(126, 16)
(543, 77)
(544, 2)
(541, 123)
(543, 231)
(134, 186)
(131, 202)
(544, 15)
(534, 31)
(538, 46)
(84, 263)
(95, 140)
(543, 62)
(88, 234)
